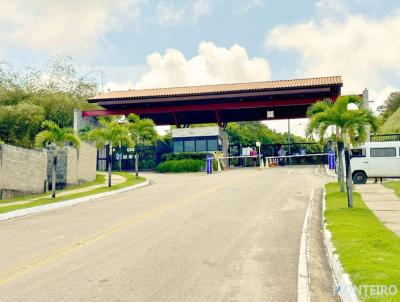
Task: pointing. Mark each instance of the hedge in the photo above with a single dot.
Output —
(180, 166)
(185, 155)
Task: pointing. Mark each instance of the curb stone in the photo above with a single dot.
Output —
(303, 276)
(329, 172)
(341, 278)
(67, 203)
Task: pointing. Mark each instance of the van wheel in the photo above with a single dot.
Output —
(360, 178)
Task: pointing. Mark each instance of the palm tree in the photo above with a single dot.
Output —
(352, 127)
(83, 132)
(110, 133)
(55, 138)
(142, 132)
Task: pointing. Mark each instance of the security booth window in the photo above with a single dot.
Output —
(201, 145)
(358, 152)
(212, 144)
(189, 146)
(178, 146)
(383, 152)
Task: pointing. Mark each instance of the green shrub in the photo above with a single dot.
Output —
(180, 166)
(184, 155)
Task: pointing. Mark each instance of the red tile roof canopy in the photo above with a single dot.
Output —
(220, 103)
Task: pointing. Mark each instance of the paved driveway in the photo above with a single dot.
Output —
(232, 236)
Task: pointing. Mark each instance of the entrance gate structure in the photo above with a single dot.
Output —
(221, 104)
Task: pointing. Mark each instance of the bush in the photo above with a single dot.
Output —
(180, 166)
(184, 155)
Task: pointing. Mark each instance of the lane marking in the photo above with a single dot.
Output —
(303, 277)
(41, 261)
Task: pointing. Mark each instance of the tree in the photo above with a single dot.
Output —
(390, 106)
(55, 138)
(19, 124)
(29, 97)
(392, 125)
(142, 131)
(352, 127)
(110, 133)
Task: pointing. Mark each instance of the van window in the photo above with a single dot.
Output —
(358, 152)
(383, 152)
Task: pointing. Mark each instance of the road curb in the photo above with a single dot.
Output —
(329, 173)
(343, 285)
(303, 276)
(67, 203)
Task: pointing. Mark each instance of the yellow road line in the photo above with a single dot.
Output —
(41, 261)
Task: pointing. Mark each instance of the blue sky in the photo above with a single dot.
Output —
(147, 43)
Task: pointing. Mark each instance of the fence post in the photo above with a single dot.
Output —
(209, 167)
(331, 160)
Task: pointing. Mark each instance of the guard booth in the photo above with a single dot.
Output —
(200, 139)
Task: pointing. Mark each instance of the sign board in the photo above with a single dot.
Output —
(270, 114)
(130, 149)
(258, 144)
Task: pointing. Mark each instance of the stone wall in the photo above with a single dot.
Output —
(22, 171)
(74, 167)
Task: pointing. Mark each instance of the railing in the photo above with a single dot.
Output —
(385, 138)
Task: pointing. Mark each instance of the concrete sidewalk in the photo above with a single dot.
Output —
(384, 203)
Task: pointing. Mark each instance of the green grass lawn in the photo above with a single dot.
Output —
(100, 179)
(394, 185)
(369, 252)
(130, 181)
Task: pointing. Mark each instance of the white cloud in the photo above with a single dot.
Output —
(211, 65)
(332, 8)
(168, 14)
(248, 5)
(201, 8)
(67, 26)
(297, 126)
(364, 51)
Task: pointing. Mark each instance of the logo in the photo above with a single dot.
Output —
(367, 290)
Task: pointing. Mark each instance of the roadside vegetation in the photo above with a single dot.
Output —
(351, 123)
(130, 181)
(31, 96)
(54, 138)
(392, 124)
(389, 116)
(394, 185)
(100, 179)
(181, 166)
(368, 251)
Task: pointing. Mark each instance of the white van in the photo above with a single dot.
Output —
(375, 159)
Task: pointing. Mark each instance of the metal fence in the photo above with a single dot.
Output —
(385, 138)
(123, 159)
(270, 150)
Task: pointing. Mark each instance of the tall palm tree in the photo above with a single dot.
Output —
(55, 138)
(352, 127)
(142, 131)
(110, 133)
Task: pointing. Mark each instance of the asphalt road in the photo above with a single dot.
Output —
(232, 236)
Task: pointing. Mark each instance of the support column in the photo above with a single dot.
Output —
(365, 97)
(175, 120)
(218, 118)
